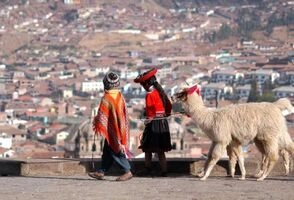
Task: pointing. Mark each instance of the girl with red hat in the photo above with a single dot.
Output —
(156, 135)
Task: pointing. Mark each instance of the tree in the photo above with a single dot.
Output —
(211, 37)
(71, 15)
(23, 2)
(247, 23)
(278, 19)
(253, 95)
(267, 97)
(267, 94)
(53, 6)
(267, 86)
(224, 32)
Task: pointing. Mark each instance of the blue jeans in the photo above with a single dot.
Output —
(109, 156)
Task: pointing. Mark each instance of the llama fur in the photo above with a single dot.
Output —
(286, 145)
(233, 126)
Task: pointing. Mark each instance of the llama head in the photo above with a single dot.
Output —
(189, 98)
(183, 95)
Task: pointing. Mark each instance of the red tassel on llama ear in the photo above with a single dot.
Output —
(192, 89)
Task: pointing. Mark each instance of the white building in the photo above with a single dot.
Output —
(66, 75)
(262, 75)
(243, 91)
(249, 45)
(210, 90)
(5, 141)
(284, 91)
(6, 153)
(72, 1)
(226, 76)
(290, 76)
(67, 93)
(128, 74)
(60, 137)
(92, 86)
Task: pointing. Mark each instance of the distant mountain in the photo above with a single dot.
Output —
(10, 2)
(164, 3)
(188, 3)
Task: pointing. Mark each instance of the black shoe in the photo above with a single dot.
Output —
(163, 174)
(145, 172)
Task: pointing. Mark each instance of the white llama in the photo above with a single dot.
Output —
(236, 125)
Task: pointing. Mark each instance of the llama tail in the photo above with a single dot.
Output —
(284, 104)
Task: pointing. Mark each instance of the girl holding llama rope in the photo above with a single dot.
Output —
(156, 135)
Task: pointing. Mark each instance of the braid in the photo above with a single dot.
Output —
(158, 87)
(162, 94)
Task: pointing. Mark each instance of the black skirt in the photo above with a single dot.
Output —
(156, 137)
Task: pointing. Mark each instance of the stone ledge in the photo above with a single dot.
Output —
(68, 167)
(59, 167)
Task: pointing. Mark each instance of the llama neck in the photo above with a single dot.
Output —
(202, 116)
(199, 113)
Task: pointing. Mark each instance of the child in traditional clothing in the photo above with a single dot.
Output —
(112, 123)
(156, 135)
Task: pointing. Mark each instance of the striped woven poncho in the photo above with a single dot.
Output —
(111, 120)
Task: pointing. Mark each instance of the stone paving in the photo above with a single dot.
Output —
(82, 187)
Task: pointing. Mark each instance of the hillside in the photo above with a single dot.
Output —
(111, 42)
(209, 3)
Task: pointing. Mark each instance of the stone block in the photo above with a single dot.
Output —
(49, 168)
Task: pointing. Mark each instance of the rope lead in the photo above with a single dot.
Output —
(159, 118)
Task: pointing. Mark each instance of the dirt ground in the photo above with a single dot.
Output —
(173, 187)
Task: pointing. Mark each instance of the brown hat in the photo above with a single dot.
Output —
(145, 76)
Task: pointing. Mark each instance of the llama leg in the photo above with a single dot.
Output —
(217, 152)
(262, 167)
(232, 160)
(240, 156)
(237, 152)
(202, 171)
(290, 150)
(259, 146)
(286, 161)
(272, 155)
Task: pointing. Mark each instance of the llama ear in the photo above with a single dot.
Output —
(192, 89)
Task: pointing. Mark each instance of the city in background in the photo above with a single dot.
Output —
(54, 55)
